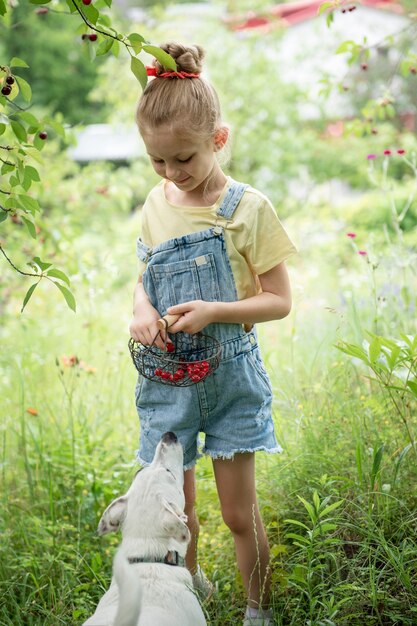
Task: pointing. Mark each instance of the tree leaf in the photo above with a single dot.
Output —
(163, 57)
(16, 62)
(41, 264)
(104, 46)
(136, 42)
(19, 130)
(68, 295)
(25, 88)
(139, 71)
(30, 226)
(28, 295)
(58, 274)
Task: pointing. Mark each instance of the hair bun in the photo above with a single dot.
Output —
(187, 58)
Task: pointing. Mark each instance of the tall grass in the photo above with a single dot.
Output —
(339, 503)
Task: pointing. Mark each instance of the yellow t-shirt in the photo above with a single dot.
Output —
(255, 240)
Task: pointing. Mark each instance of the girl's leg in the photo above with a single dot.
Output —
(193, 525)
(235, 480)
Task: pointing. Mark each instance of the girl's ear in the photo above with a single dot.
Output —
(220, 138)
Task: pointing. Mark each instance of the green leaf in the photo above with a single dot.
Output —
(412, 384)
(29, 118)
(297, 523)
(25, 88)
(28, 295)
(316, 500)
(324, 6)
(91, 13)
(108, 2)
(33, 173)
(41, 264)
(374, 349)
(58, 274)
(2, 7)
(3, 215)
(28, 203)
(298, 538)
(115, 49)
(376, 465)
(16, 62)
(104, 46)
(310, 509)
(19, 130)
(69, 297)
(136, 42)
(163, 57)
(139, 71)
(30, 226)
(331, 507)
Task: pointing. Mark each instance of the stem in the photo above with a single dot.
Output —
(17, 269)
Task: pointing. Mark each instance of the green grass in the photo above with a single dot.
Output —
(69, 434)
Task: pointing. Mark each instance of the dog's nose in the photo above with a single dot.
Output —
(169, 437)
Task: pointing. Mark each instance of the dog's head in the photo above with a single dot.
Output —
(153, 507)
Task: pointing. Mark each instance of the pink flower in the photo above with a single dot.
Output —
(362, 252)
(351, 235)
(387, 152)
(371, 156)
(401, 151)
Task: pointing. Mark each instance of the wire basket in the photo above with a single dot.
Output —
(187, 361)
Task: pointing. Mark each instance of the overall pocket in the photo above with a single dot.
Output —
(182, 281)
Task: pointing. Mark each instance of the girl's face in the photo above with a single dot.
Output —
(186, 162)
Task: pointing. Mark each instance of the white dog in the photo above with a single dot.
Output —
(151, 585)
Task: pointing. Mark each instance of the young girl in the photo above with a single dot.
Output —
(212, 251)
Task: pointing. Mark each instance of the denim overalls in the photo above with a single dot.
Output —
(233, 405)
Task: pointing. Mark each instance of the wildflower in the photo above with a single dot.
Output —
(387, 152)
(351, 235)
(371, 156)
(401, 151)
(70, 361)
(362, 252)
(31, 411)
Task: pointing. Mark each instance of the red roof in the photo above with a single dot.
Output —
(294, 12)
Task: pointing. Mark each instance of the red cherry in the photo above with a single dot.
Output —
(158, 371)
(92, 37)
(413, 70)
(43, 135)
(180, 374)
(86, 2)
(364, 66)
(170, 347)
(195, 378)
(6, 90)
(10, 80)
(165, 375)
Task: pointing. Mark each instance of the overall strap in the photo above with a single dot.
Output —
(143, 251)
(231, 200)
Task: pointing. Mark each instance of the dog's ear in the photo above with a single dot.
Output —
(174, 522)
(113, 516)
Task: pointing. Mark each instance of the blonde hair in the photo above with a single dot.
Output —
(191, 105)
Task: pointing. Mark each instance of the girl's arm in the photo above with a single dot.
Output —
(143, 326)
(274, 302)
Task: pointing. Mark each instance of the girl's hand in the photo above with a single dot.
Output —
(195, 315)
(143, 327)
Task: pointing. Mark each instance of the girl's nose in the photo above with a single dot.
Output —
(170, 172)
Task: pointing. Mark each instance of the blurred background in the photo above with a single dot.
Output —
(321, 101)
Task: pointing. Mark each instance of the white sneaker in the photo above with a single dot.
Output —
(202, 585)
(263, 618)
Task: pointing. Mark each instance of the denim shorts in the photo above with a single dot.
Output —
(231, 408)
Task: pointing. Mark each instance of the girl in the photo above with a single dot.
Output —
(212, 251)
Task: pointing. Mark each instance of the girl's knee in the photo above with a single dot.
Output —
(240, 521)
